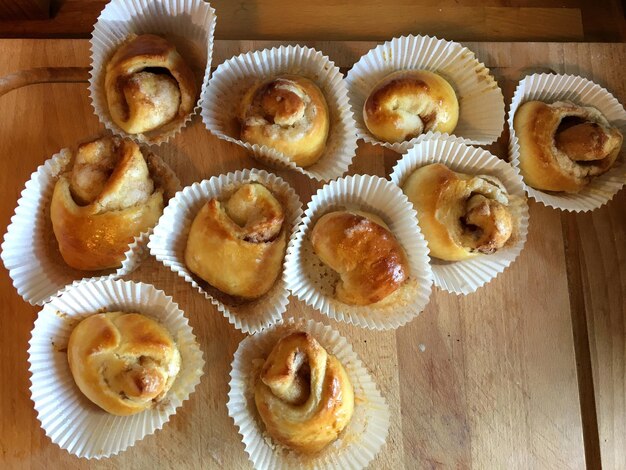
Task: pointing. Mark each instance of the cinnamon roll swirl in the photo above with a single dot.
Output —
(123, 362)
(112, 193)
(289, 114)
(564, 146)
(409, 103)
(149, 85)
(303, 394)
(238, 245)
(460, 215)
(369, 259)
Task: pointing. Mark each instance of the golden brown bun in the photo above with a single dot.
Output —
(563, 146)
(368, 258)
(289, 114)
(303, 395)
(460, 215)
(105, 201)
(238, 245)
(149, 85)
(123, 362)
(408, 103)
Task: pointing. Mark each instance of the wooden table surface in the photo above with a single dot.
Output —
(459, 20)
(528, 372)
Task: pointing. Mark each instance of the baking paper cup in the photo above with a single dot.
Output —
(189, 25)
(466, 276)
(169, 240)
(30, 251)
(481, 104)
(356, 446)
(313, 282)
(551, 88)
(68, 418)
(234, 77)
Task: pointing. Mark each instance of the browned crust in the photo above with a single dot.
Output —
(145, 51)
(305, 151)
(370, 260)
(535, 125)
(422, 87)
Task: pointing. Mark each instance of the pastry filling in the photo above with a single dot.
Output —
(487, 224)
(110, 173)
(283, 109)
(582, 141)
(254, 209)
(152, 94)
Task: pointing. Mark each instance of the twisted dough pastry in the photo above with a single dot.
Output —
(148, 85)
(303, 394)
(105, 201)
(408, 103)
(460, 215)
(238, 246)
(367, 256)
(287, 113)
(123, 362)
(563, 146)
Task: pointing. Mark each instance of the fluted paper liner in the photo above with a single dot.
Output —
(169, 241)
(356, 446)
(466, 276)
(30, 251)
(481, 104)
(68, 418)
(234, 77)
(551, 88)
(313, 282)
(188, 24)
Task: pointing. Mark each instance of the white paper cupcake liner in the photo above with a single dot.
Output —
(234, 77)
(313, 282)
(466, 276)
(551, 88)
(68, 418)
(188, 24)
(30, 251)
(169, 240)
(356, 446)
(481, 104)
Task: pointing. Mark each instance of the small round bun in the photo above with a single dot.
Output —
(113, 188)
(409, 103)
(362, 250)
(563, 146)
(287, 113)
(461, 216)
(123, 362)
(238, 245)
(149, 85)
(303, 394)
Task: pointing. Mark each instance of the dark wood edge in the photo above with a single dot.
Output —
(27, 77)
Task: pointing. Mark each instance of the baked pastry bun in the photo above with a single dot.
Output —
(287, 113)
(148, 85)
(461, 216)
(359, 246)
(563, 146)
(303, 394)
(409, 103)
(238, 245)
(123, 362)
(111, 194)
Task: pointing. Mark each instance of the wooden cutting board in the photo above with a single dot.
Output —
(528, 372)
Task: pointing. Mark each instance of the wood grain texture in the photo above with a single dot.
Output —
(497, 385)
(345, 19)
